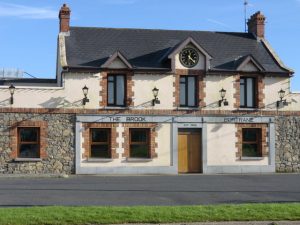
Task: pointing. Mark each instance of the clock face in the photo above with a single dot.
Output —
(189, 57)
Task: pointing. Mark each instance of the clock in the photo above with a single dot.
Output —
(189, 57)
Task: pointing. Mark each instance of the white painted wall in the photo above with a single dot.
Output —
(214, 84)
(221, 149)
(272, 86)
(68, 96)
(163, 150)
(143, 85)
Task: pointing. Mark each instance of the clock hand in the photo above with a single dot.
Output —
(191, 59)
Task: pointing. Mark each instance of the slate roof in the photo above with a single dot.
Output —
(149, 49)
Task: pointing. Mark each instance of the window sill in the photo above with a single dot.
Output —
(27, 159)
(99, 160)
(115, 107)
(188, 108)
(248, 109)
(138, 160)
(251, 158)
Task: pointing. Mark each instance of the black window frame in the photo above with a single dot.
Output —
(254, 88)
(37, 142)
(257, 142)
(186, 77)
(146, 143)
(115, 90)
(108, 143)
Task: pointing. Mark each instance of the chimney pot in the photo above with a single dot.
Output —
(256, 24)
(64, 18)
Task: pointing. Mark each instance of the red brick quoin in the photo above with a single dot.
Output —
(260, 86)
(264, 135)
(200, 74)
(14, 136)
(86, 137)
(153, 135)
(129, 86)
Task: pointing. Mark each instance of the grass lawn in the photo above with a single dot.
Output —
(148, 214)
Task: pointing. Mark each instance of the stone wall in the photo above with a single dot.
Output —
(287, 144)
(60, 148)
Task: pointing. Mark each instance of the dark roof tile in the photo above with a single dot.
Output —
(145, 48)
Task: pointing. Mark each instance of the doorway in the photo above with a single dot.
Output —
(189, 151)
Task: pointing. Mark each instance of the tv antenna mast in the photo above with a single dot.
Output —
(245, 13)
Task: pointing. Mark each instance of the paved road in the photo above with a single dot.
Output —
(150, 190)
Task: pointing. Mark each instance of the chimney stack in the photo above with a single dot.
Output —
(64, 18)
(256, 24)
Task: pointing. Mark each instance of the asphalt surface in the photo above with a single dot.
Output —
(149, 190)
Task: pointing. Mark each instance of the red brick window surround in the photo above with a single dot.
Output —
(129, 83)
(259, 95)
(200, 86)
(262, 132)
(151, 141)
(38, 128)
(87, 140)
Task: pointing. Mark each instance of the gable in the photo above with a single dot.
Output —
(249, 67)
(117, 63)
(201, 64)
(204, 57)
(248, 63)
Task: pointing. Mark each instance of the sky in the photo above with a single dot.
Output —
(29, 28)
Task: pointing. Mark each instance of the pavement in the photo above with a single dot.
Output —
(190, 189)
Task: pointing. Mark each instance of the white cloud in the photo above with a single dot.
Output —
(26, 12)
(218, 23)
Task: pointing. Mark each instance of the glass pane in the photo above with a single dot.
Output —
(29, 134)
(139, 136)
(242, 81)
(250, 150)
(100, 151)
(120, 90)
(250, 134)
(111, 93)
(110, 78)
(99, 135)
(182, 94)
(139, 151)
(191, 91)
(250, 94)
(242, 94)
(29, 151)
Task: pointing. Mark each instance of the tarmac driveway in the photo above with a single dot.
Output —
(149, 190)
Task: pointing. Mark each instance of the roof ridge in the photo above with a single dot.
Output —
(155, 29)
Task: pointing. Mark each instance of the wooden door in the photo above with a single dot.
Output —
(189, 151)
(182, 153)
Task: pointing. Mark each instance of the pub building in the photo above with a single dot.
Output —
(142, 101)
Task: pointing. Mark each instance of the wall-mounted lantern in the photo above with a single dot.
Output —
(282, 101)
(223, 99)
(12, 91)
(155, 94)
(85, 91)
